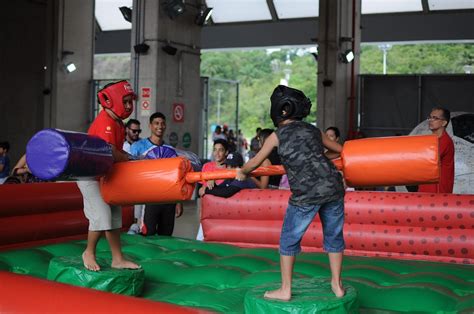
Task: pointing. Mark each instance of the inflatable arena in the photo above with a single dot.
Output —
(405, 252)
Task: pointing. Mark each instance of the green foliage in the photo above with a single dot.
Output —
(253, 69)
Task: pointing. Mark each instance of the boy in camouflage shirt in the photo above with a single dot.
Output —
(316, 185)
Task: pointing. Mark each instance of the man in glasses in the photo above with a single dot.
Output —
(132, 134)
(438, 120)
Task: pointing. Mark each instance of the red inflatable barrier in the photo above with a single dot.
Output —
(418, 226)
(25, 294)
(41, 213)
(26, 199)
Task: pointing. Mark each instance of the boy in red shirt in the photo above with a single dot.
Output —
(117, 102)
(438, 121)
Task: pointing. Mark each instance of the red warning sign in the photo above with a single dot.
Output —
(146, 92)
(178, 112)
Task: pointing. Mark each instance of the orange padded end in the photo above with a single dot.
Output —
(400, 160)
(147, 181)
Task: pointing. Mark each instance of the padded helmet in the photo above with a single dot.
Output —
(111, 97)
(288, 103)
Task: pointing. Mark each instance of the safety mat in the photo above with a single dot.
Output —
(218, 276)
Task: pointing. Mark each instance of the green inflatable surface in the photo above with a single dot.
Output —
(307, 296)
(218, 277)
(71, 270)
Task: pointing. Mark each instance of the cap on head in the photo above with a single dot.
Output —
(234, 160)
(111, 97)
(288, 103)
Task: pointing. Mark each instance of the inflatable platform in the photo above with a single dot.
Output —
(405, 253)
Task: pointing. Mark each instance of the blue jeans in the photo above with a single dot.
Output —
(297, 220)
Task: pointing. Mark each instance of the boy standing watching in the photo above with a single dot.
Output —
(315, 183)
(117, 101)
(157, 218)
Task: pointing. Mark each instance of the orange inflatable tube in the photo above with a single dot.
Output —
(147, 181)
(400, 160)
(161, 180)
(368, 162)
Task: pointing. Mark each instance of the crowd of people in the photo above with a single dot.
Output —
(235, 142)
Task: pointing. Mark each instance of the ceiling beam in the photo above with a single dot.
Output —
(271, 7)
(400, 27)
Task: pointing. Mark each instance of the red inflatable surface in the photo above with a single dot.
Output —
(26, 294)
(418, 226)
(40, 213)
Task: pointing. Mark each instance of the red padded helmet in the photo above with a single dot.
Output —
(111, 97)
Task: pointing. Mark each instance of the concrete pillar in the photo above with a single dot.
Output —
(162, 80)
(35, 92)
(339, 30)
(70, 103)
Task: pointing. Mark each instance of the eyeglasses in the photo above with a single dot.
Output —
(434, 118)
(136, 131)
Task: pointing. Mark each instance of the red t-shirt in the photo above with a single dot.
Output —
(108, 129)
(446, 180)
(211, 166)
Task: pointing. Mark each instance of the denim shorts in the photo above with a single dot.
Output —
(297, 220)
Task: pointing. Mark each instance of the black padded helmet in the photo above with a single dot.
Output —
(288, 103)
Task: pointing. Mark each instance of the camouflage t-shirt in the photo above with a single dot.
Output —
(313, 178)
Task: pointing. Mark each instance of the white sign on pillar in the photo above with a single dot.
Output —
(145, 101)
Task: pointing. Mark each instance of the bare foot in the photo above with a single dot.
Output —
(125, 264)
(89, 261)
(338, 289)
(278, 295)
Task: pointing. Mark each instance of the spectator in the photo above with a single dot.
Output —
(333, 134)
(219, 154)
(225, 130)
(232, 140)
(241, 143)
(21, 173)
(4, 161)
(264, 182)
(218, 134)
(157, 218)
(255, 144)
(132, 134)
(231, 186)
(438, 120)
